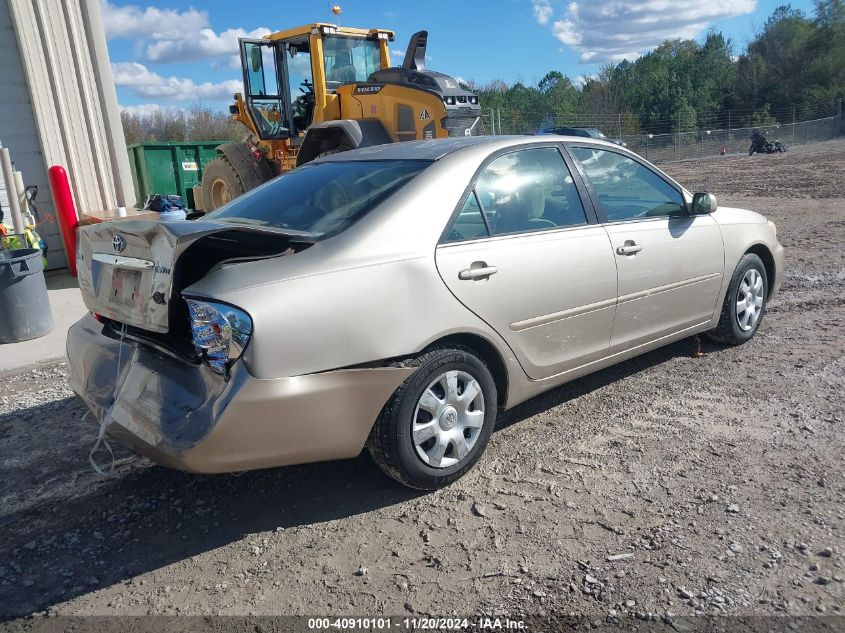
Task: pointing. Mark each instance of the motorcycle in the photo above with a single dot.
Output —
(760, 145)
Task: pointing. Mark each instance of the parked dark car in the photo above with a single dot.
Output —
(586, 132)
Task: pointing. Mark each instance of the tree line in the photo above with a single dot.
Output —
(792, 70)
(198, 123)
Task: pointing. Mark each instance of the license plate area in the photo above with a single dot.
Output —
(122, 287)
(127, 289)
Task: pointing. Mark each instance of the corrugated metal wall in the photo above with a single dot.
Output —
(58, 105)
(19, 133)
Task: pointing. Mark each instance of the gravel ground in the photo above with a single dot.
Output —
(668, 485)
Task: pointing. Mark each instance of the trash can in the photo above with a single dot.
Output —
(24, 305)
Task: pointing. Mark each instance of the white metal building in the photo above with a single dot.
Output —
(58, 106)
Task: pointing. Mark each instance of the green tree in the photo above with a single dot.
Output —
(830, 12)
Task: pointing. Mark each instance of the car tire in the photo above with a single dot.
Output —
(396, 441)
(749, 287)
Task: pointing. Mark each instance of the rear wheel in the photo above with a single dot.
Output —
(438, 422)
(220, 183)
(745, 302)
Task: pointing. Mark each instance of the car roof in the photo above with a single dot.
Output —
(436, 149)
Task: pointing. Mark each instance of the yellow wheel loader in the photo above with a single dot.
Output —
(323, 88)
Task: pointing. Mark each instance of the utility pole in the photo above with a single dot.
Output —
(678, 135)
(793, 125)
(500, 119)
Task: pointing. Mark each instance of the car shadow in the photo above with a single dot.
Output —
(67, 532)
(559, 395)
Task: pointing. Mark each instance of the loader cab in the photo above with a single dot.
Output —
(291, 77)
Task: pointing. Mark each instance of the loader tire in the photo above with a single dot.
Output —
(220, 184)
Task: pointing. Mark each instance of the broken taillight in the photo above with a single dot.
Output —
(220, 333)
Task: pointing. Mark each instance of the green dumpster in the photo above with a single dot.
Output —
(169, 168)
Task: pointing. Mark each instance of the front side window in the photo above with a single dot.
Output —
(349, 59)
(529, 190)
(628, 190)
(322, 199)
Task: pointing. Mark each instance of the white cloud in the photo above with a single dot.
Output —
(233, 61)
(146, 84)
(542, 11)
(170, 35)
(624, 29)
(134, 22)
(203, 44)
(400, 54)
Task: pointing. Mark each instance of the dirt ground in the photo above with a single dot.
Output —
(666, 486)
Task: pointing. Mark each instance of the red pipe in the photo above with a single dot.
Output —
(66, 210)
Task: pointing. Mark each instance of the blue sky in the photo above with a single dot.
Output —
(173, 53)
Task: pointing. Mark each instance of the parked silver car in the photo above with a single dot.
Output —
(400, 296)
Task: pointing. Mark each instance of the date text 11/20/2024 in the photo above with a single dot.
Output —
(416, 624)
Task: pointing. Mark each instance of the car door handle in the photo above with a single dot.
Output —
(630, 247)
(482, 271)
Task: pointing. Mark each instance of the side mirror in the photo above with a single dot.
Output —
(255, 60)
(703, 203)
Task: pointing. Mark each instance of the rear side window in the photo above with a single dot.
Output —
(321, 199)
(628, 190)
(470, 223)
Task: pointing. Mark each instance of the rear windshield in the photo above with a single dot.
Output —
(321, 199)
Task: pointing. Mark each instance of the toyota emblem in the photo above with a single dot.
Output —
(118, 243)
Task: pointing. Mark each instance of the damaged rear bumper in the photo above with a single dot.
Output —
(187, 417)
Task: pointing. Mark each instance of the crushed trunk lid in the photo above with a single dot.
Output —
(127, 269)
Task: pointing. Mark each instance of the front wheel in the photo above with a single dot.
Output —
(220, 183)
(436, 425)
(745, 302)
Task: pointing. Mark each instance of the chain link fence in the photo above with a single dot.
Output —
(663, 148)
